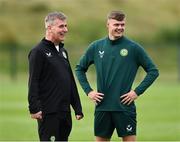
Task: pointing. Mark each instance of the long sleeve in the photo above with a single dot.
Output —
(152, 72)
(35, 67)
(86, 60)
(75, 99)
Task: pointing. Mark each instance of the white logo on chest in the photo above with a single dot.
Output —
(101, 54)
(49, 54)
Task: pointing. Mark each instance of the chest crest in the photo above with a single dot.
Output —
(123, 52)
(48, 54)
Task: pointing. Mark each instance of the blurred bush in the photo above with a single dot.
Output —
(154, 24)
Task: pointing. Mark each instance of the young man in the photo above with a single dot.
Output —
(52, 87)
(116, 59)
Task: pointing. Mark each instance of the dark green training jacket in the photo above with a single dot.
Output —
(116, 64)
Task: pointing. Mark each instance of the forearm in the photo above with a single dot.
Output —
(148, 80)
(33, 97)
(35, 68)
(81, 75)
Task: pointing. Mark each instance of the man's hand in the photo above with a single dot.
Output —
(95, 96)
(79, 117)
(129, 97)
(37, 115)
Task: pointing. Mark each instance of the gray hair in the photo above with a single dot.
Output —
(51, 17)
(117, 15)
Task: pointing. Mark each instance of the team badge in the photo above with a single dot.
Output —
(64, 54)
(101, 54)
(52, 138)
(123, 52)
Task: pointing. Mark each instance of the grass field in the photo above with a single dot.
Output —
(158, 114)
(22, 24)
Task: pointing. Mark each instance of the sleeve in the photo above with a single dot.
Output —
(150, 68)
(75, 99)
(35, 67)
(81, 68)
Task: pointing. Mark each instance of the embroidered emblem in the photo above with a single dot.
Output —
(49, 54)
(101, 54)
(52, 138)
(129, 128)
(123, 52)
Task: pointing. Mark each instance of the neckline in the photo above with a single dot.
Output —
(116, 41)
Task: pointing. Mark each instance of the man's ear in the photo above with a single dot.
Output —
(49, 28)
(107, 24)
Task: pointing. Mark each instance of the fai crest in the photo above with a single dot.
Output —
(123, 52)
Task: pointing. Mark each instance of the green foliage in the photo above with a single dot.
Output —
(87, 19)
(38, 7)
(170, 36)
(154, 24)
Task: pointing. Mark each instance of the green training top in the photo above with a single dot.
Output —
(116, 64)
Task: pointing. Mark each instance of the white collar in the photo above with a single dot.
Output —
(57, 47)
